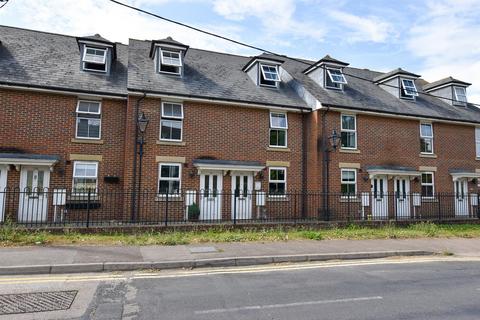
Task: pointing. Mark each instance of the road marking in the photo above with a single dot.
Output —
(288, 267)
(225, 270)
(46, 279)
(287, 305)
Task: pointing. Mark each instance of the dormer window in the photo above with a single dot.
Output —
(408, 90)
(170, 61)
(95, 59)
(269, 75)
(334, 78)
(460, 95)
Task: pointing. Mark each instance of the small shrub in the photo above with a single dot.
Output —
(311, 235)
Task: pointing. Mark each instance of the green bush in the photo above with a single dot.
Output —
(193, 211)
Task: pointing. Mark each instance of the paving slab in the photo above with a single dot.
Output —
(60, 259)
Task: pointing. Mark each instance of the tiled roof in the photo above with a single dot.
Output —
(443, 81)
(46, 60)
(365, 95)
(207, 74)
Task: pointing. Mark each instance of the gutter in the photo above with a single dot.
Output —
(400, 115)
(157, 94)
(49, 89)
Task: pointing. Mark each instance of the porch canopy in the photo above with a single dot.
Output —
(19, 159)
(227, 165)
(392, 171)
(464, 173)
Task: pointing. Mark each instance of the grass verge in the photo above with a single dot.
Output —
(13, 236)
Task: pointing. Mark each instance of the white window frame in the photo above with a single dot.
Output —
(342, 129)
(348, 182)
(329, 73)
(79, 116)
(477, 141)
(277, 181)
(75, 163)
(270, 72)
(171, 118)
(464, 94)
(262, 73)
(278, 128)
(427, 137)
(432, 184)
(404, 89)
(161, 62)
(84, 59)
(179, 179)
(104, 63)
(173, 103)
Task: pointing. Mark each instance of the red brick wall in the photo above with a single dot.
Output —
(396, 142)
(42, 123)
(221, 132)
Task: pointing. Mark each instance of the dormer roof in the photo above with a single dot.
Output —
(98, 39)
(396, 72)
(325, 60)
(167, 42)
(445, 81)
(264, 57)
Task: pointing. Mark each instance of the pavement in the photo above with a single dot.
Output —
(74, 259)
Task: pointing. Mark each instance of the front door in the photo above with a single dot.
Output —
(461, 197)
(3, 186)
(379, 198)
(242, 188)
(33, 202)
(211, 186)
(402, 197)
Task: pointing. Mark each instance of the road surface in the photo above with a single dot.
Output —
(420, 288)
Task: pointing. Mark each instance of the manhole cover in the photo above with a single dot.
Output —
(202, 249)
(36, 302)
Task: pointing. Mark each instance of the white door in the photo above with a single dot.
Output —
(242, 188)
(33, 202)
(3, 186)
(402, 197)
(379, 197)
(211, 186)
(461, 197)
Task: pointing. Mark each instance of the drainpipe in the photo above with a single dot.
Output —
(325, 166)
(304, 163)
(135, 151)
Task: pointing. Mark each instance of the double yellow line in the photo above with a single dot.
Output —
(154, 274)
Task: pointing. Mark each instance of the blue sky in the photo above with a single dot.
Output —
(432, 38)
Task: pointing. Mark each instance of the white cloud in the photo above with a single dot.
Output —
(116, 23)
(446, 39)
(276, 17)
(363, 29)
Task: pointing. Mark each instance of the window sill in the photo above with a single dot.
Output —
(349, 150)
(170, 199)
(171, 143)
(428, 155)
(478, 159)
(427, 200)
(351, 200)
(87, 141)
(279, 149)
(278, 198)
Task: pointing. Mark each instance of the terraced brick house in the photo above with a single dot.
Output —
(240, 137)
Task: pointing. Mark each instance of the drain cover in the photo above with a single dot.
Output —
(202, 249)
(36, 302)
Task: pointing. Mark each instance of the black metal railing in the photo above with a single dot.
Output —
(62, 207)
